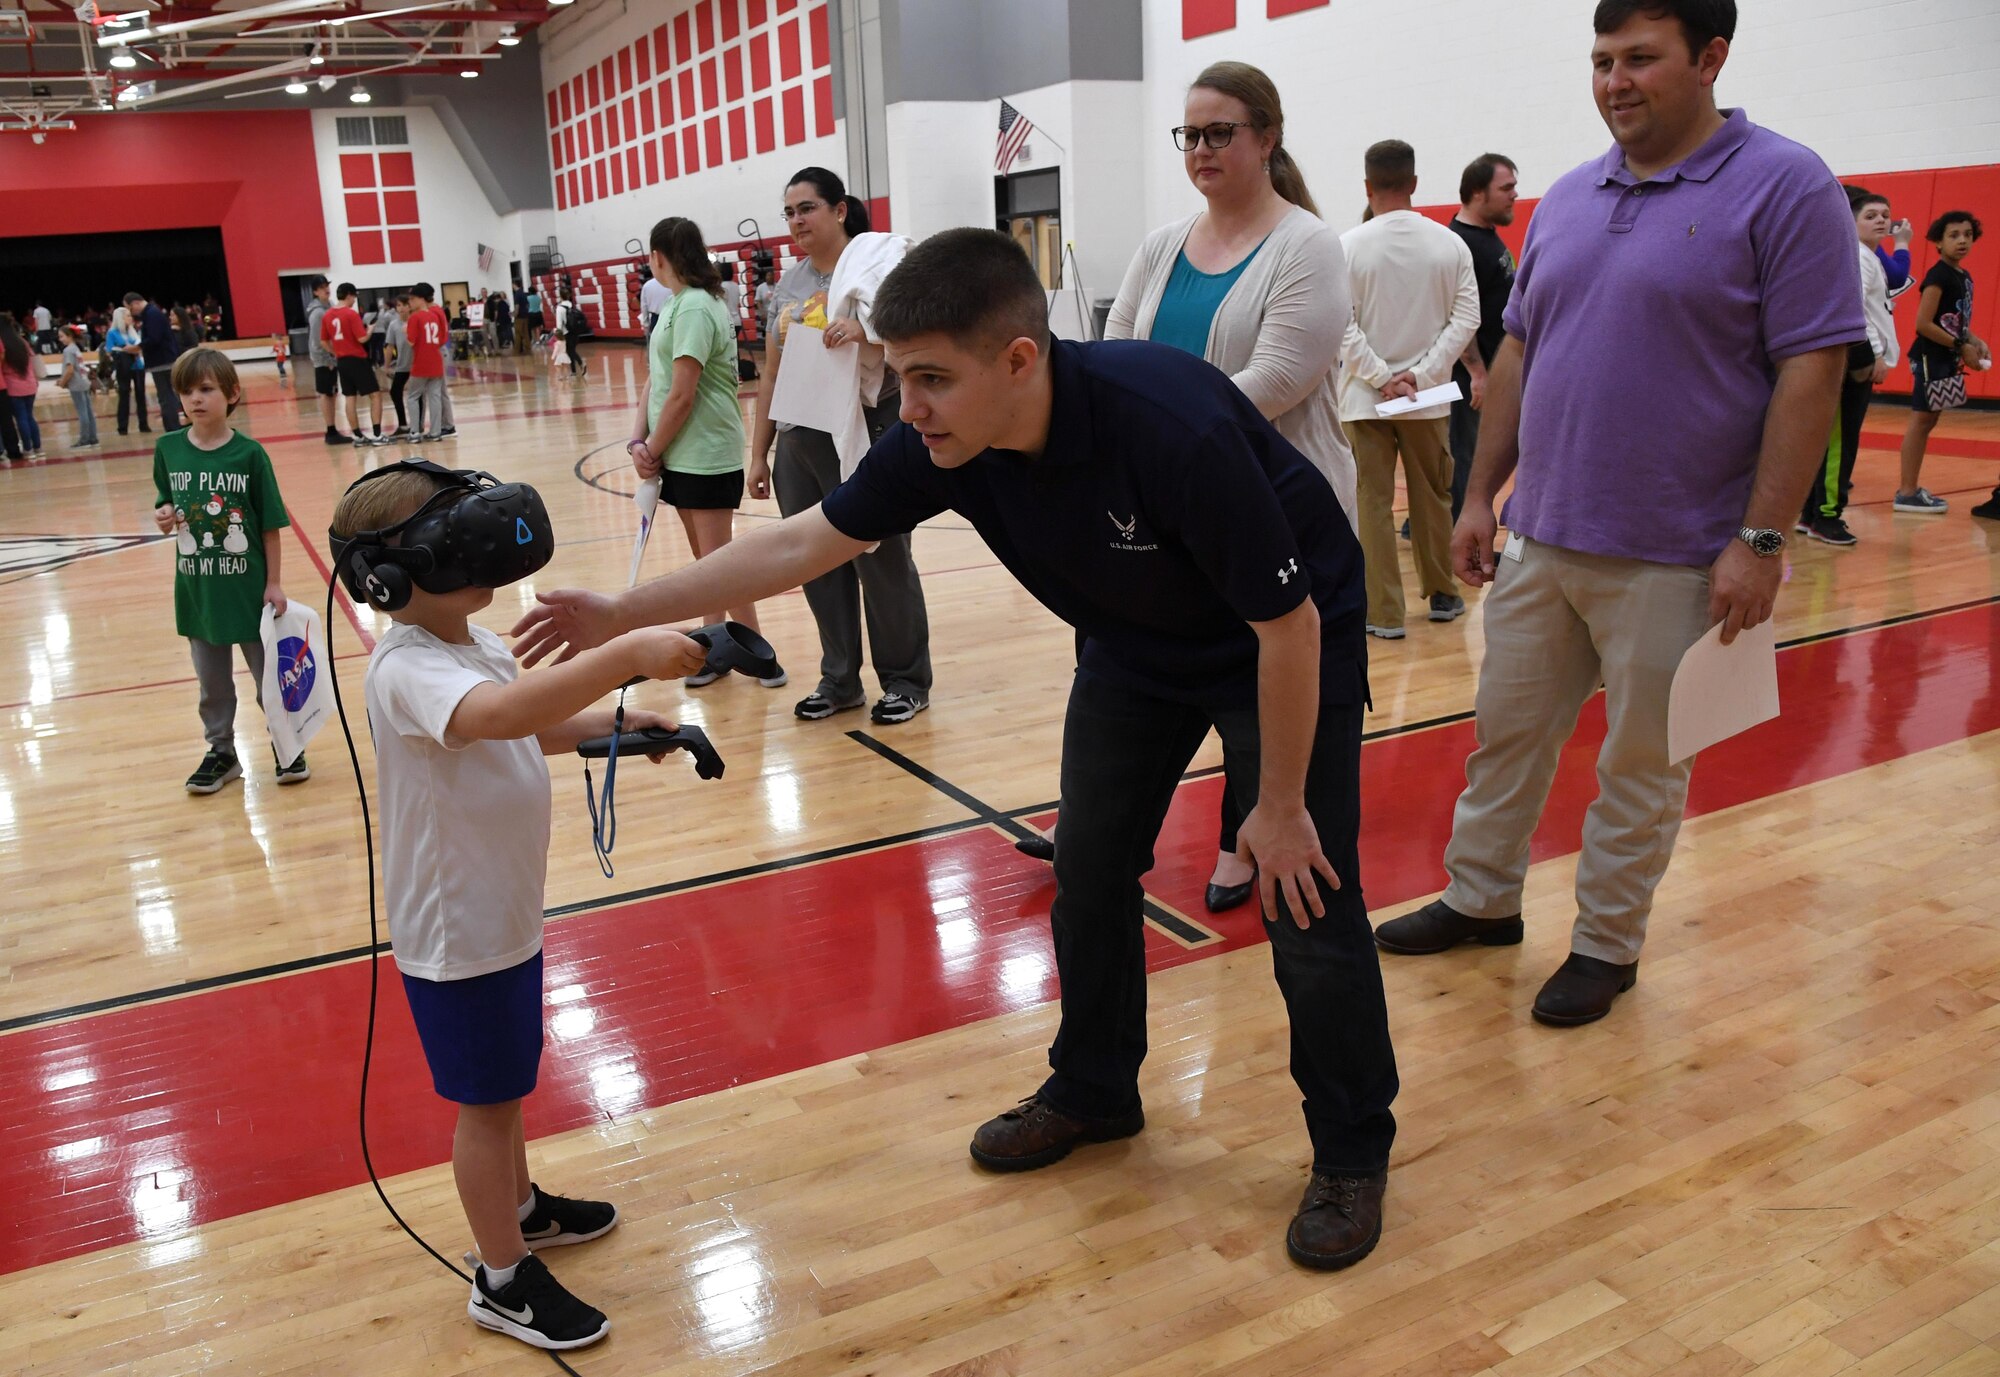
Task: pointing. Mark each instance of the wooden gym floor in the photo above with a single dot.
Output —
(772, 1032)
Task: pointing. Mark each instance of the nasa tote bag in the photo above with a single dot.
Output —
(298, 699)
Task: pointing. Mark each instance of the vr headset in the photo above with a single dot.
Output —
(474, 532)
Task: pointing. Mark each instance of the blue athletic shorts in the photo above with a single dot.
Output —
(483, 1036)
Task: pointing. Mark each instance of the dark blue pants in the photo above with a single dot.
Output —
(1123, 754)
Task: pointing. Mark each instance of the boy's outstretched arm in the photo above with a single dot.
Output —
(546, 699)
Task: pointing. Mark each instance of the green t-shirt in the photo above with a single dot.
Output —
(695, 325)
(225, 500)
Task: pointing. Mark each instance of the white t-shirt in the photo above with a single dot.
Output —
(653, 298)
(464, 824)
(42, 318)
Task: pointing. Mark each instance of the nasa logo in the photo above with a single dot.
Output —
(295, 672)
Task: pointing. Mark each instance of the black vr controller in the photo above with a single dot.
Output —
(653, 740)
(731, 645)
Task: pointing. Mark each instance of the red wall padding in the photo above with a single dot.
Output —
(250, 173)
(1918, 197)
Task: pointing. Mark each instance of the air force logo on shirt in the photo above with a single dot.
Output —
(1128, 534)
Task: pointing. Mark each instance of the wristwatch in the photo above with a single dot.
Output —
(1764, 543)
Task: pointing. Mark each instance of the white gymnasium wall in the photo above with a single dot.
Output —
(453, 211)
(1871, 85)
(716, 198)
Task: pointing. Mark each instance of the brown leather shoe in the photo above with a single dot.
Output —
(1035, 1134)
(1582, 990)
(1436, 927)
(1339, 1220)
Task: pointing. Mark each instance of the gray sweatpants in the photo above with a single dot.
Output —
(882, 585)
(213, 671)
(431, 401)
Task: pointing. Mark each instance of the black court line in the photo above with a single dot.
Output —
(1163, 917)
(1007, 821)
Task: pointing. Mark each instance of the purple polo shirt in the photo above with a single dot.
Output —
(1652, 315)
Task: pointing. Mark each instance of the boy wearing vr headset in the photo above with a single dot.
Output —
(459, 739)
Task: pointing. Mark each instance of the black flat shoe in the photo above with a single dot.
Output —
(1436, 927)
(1222, 898)
(1582, 991)
(1040, 848)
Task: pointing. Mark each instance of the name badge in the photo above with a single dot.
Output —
(1515, 547)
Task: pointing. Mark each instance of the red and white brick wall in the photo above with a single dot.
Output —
(699, 108)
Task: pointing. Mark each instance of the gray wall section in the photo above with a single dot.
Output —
(496, 123)
(984, 49)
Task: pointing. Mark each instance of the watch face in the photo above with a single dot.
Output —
(1767, 542)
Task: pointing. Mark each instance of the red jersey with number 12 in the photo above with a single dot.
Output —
(428, 332)
(342, 331)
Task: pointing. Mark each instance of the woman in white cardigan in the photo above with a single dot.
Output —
(1257, 285)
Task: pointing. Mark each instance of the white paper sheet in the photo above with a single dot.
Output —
(821, 388)
(1441, 395)
(1720, 690)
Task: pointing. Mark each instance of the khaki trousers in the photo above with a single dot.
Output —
(1557, 624)
(1427, 477)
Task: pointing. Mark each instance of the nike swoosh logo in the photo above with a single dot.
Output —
(549, 1230)
(525, 1315)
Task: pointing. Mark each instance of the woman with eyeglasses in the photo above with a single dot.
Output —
(882, 583)
(1256, 284)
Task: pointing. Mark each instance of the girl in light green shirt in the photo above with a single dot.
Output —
(689, 433)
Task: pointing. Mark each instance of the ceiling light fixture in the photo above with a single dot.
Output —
(359, 95)
(295, 88)
(318, 58)
(470, 72)
(508, 38)
(124, 60)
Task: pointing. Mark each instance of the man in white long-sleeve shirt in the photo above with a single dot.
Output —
(1416, 305)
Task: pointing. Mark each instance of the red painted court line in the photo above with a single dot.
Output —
(326, 576)
(138, 688)
(145, 1121)
(1957, 446)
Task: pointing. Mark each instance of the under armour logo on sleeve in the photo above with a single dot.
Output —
(1285, 572)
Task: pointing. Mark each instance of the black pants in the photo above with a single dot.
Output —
(1827, 498)
(397, 382)
(10, 434)
(170, 405)
(1463, 437)
(131, 387)
(574, 343)
(1123, 753)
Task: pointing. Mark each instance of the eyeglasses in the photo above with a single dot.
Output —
(801, 210)
(1188, 137)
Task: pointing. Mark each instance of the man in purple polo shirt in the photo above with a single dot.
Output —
(1675, 342)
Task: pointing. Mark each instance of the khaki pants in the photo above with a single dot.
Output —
(1557, 624)
(1427, 476)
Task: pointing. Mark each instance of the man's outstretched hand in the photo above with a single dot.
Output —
(566, 621)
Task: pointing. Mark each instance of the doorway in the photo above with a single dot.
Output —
(1028, 208)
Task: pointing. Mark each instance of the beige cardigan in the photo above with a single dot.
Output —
(1277, 334)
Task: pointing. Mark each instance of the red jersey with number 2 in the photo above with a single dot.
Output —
(428, 332)
(342, 331)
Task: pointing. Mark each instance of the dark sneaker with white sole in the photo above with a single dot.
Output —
(1830, 530)
(708, 675)
(534, 1308)
(298, 772)
(1923, 502)
(557, 1220)
(816, 705)
(217, 769)
(1446, 607)
(896, 707)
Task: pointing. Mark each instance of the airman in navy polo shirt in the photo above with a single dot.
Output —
(1213, 581)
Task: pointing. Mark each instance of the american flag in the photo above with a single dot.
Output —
(1014, 130)
(485, 258)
